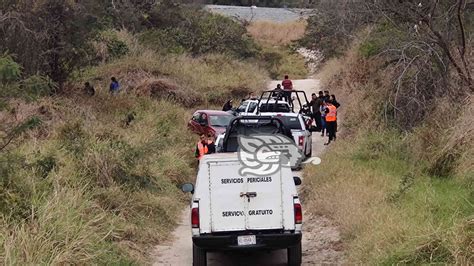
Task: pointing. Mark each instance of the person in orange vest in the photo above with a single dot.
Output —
(201, 147)
(331, 120)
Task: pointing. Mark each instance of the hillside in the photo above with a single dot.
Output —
(400, 181)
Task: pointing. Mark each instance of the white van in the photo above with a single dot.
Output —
(231, 211)
(234, 212)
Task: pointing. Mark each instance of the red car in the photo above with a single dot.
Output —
(209, 121)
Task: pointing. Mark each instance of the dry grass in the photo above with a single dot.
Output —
(210, 78)
(275, 39)
(271, 33)
(188, 80)
(113, 190)
(387, 211)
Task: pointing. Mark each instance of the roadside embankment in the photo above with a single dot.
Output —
(399, 196)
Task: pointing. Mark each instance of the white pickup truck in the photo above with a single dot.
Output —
(230, 211)
(249, 107)
(299, 129)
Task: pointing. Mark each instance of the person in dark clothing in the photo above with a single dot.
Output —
(88, 89)
(211, 144)
(337, 105)
(227, 106)
(278, 92)
(114, 86)
(334, 101)
(323, 111)
(321, 95)
(315, 110)
(327, 97)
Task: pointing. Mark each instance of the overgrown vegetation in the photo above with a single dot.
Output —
(400, 184)
(55, 38)
(389, 210)
(95, 179)
(85, 186)
(278, 53)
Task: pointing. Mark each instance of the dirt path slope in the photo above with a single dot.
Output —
(321, 240)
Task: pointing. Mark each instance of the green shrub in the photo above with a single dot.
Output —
(37, 86)
(383, 37)
(369, 49)
(44, 165)
(109, 46)
(198, 32)
(73, 137)
(281, 61)
(9, 70)
(163, 40)
(13, 191)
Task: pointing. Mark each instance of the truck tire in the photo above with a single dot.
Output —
(294, 255)
(199, 256)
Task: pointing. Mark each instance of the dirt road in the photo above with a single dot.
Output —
(321, 240)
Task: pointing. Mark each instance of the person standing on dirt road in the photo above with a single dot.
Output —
(287, 88)
(331, 120)
(114, 86)
(315, 110)
(322, 110)
(201, 147)
(334, 101)
(287, 83)
(327, 97)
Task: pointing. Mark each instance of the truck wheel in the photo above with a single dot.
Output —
(294, 255)
(310, 153)
(199, 256)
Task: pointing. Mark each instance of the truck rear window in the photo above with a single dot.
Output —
(242, 107)
(291, 122)
(258, 128)
(283, 108)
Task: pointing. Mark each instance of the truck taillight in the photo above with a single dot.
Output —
(301, 141)
(298, 214)
(195, 217)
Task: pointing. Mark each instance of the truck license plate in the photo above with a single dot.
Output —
(246, 240)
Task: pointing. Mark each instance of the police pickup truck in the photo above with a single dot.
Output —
(235, 211)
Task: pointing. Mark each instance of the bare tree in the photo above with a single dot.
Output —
(439, 23)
